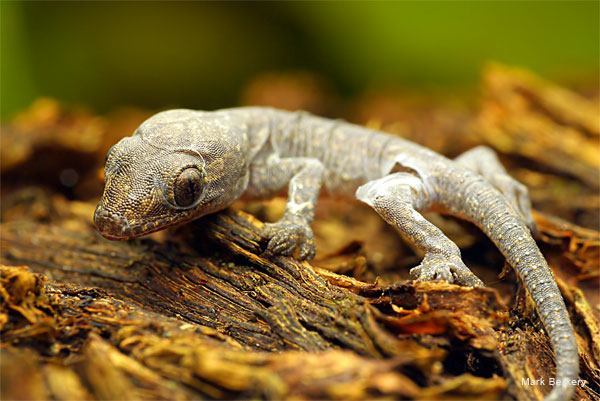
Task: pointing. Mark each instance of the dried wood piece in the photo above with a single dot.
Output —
(193, 319)
(522, 115)
(580, 245)
(149, 356)
(438, 308)
(563, 105)
(21, 375)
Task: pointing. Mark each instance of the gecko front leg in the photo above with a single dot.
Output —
(304, 176)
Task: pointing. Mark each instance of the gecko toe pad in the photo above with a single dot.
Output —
(288, 236)
(440, 267)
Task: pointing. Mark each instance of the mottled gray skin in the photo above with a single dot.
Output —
(183, 164)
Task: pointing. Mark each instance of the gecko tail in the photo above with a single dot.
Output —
(493, 214)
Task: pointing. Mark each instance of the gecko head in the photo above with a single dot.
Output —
(153, 183)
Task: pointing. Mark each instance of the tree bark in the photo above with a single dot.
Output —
(207, 316)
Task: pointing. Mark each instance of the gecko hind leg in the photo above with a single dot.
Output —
(484, 161)
(397, 198)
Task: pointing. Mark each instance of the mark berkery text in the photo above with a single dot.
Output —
(552, 382)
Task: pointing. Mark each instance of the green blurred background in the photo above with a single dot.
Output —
(200, 54)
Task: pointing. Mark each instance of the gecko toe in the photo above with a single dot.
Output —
(449, 269)
(280, 245)
(283, 247)
(307, 250)
(428, 272)
(286, 237)
(467, 279)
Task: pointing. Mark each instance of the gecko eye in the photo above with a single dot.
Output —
(188, 187)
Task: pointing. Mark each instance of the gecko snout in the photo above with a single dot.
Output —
(112, 226)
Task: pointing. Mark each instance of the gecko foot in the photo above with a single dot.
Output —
(288, 235)
(441, 267)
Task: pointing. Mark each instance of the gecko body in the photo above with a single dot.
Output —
(181, 164)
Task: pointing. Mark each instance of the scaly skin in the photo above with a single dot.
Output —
(181, 164)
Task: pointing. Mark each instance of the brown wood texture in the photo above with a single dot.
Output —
(211, 318)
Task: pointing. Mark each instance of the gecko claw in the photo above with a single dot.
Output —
(451, 270)
(307, 250)
(288, 235)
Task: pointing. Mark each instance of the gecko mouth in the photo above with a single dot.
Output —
(115, 227)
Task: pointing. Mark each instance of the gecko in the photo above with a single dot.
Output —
(180, 165)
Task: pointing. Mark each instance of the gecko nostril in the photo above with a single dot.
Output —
(111, 225)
